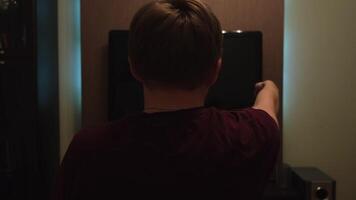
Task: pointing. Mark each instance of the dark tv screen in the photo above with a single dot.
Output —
(234, 89)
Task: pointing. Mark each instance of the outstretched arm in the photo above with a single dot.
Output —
(267, 98)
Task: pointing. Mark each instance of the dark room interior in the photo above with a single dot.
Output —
(65, 68)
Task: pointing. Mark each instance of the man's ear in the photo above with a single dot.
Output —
(215, 72)
(133, 72)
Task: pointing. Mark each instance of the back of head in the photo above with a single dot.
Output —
(174, 43)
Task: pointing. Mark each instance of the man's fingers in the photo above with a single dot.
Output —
(259, 86)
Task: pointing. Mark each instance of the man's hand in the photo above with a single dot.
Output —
(267, 98)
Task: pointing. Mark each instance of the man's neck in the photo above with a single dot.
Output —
(164, 100)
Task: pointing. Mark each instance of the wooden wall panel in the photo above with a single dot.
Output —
(98, 17)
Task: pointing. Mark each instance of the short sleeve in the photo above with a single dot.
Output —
(266, 125)
(254, 132)
(270, 148)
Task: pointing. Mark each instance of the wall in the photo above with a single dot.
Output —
(70, 91)
(98, 17)
(319, 89)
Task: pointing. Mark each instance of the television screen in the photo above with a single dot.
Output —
(234, 89)
(241, 70)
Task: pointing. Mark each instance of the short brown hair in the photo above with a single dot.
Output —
(175, 42)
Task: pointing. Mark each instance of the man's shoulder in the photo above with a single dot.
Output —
(250, 124)
(101, 136)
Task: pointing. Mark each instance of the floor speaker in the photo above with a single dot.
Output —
(313, 184)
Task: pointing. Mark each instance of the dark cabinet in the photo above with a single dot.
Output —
(28, 149)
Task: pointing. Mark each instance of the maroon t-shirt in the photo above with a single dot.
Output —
(196, 153)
